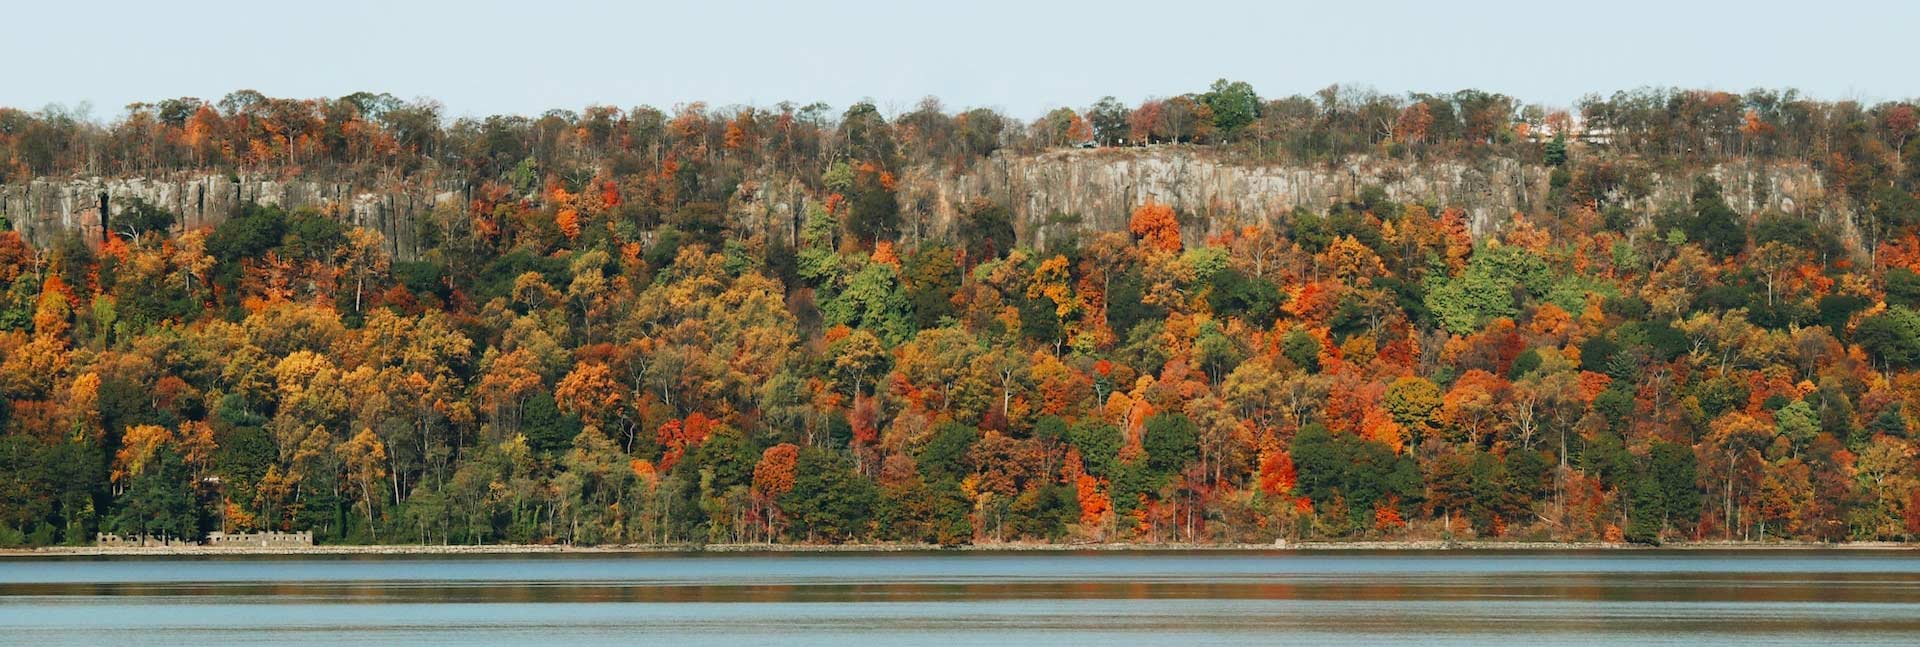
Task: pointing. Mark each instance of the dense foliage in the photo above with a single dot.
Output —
(696, 152)
(593, 351)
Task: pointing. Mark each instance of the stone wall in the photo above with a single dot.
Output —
(117, 541)
(271, 539)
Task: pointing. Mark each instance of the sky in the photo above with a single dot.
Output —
(479, 57)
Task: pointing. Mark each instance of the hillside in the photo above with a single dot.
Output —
(1208, 318)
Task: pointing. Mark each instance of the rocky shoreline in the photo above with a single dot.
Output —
(1303, 547)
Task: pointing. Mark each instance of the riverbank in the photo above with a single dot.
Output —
(1303, 547)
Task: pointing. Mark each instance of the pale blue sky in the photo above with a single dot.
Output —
(1024, 57)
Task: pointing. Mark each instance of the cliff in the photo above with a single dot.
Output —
(1050, 195)
(44, 209)
(1098, 188)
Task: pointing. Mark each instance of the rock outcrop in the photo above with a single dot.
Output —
(1056, 193)
(1050, 195)
(45, 209)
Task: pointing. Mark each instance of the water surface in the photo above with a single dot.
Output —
(1340, 598)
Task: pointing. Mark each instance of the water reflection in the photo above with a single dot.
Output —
(1824, 597)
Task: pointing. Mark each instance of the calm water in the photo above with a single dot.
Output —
(1648, 598)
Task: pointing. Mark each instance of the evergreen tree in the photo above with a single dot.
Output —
(159, 501)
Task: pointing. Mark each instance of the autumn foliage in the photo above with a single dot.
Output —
(1156, 227)
(748, 325)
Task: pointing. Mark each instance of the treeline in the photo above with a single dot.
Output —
(561, 365)
(699, 152)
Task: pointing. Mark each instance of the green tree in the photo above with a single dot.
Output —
(945, 454)
(867, 135)
(1109, 120)
(872, 301)
(1493, 493)
(159, 502)
(1172, 441)
(1646, 510)
(931, 277)
(1099, 445)
(828, 500)
(1317, 461)
(1234, 106)
(1486, 289)
(1714, 224)
(1234, 294)
(1892, 337)
(548, 430)
(876, 212)
(1676, 471)
(1302, 349)
(140, 217)
(1797, 422)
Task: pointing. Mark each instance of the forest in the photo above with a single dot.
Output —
(591, 349)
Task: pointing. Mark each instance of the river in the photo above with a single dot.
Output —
(1097, 598)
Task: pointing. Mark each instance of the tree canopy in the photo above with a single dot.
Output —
(602, 340)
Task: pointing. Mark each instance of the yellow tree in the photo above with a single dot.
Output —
(366, 462)
(311, 393)
(53, 310)
(590, 288)
(1350, 261)
(137, 447)
(508, 380)
(589, 391)
(363, 256)
(1413, 403)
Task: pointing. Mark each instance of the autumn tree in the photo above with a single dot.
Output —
(1156, 227)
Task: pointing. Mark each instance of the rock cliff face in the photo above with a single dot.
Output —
(1096, 190)
(45, 209)
(1051, 195)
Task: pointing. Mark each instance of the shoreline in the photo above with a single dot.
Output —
(1422, 546)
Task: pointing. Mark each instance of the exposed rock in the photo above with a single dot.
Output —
(45, 208)
(1051, 195)
(1097, 189)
